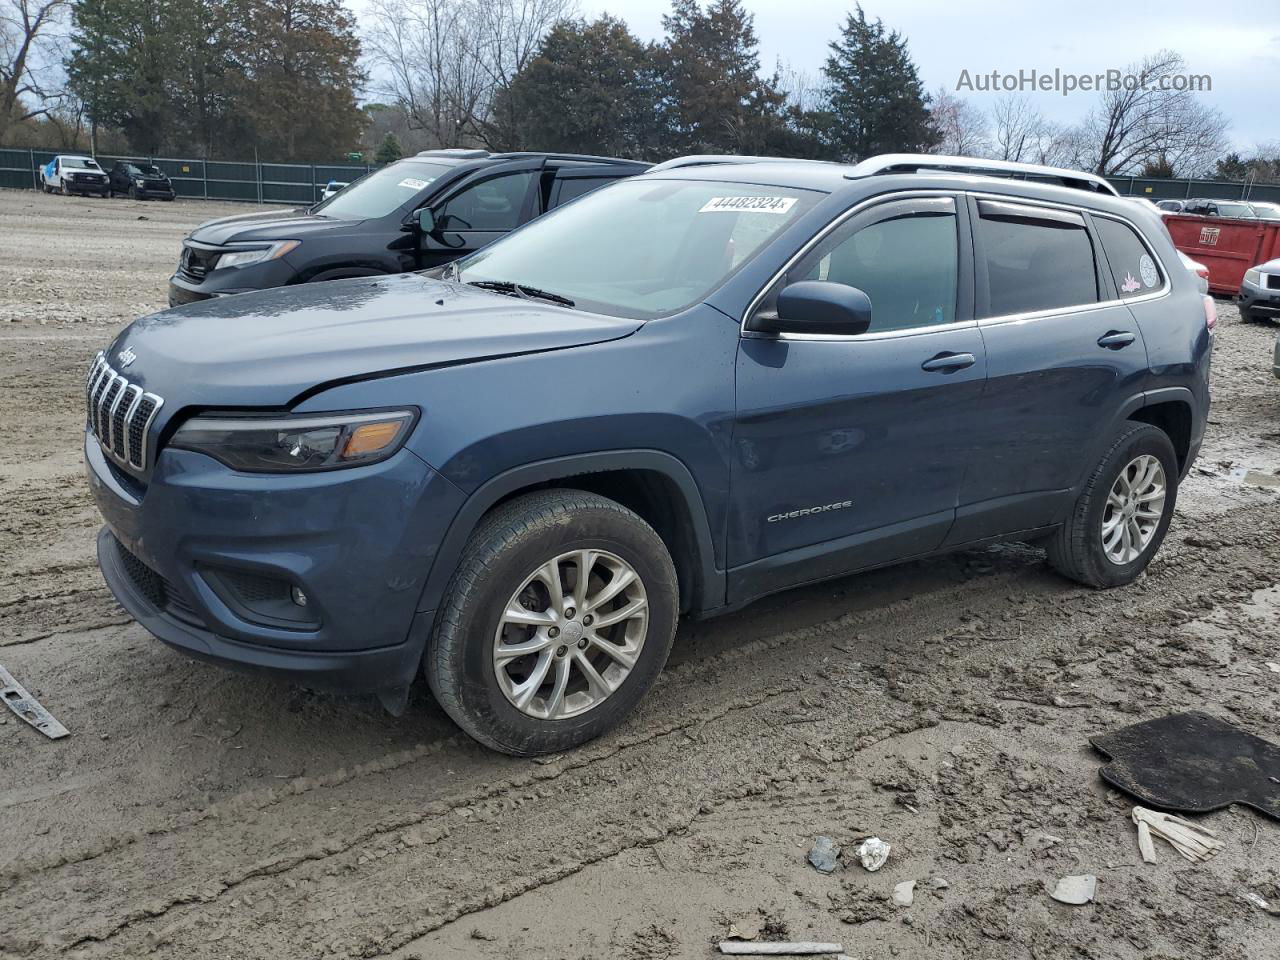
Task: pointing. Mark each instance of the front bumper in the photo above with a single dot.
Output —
(225, 283)
(1259, 300)
(358, 542)
(155, 193)
(86, 187)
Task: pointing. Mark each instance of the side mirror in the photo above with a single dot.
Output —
(424, 220)
(819, 306)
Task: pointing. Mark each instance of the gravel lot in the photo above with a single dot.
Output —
(944, 706)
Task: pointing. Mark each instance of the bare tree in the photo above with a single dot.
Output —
(1147, 121)
(25, 26)
(446, 61)
(962, 125)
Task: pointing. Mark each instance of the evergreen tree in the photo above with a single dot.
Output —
(875, 101)
(715, 100)
(389, 151)
(590, 89)
(299, 70)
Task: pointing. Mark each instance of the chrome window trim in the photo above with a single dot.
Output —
(818, 238)
(1029, 315)
(1163, 292)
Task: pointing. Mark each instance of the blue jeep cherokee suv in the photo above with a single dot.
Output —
(672, 396)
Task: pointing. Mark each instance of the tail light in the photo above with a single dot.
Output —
(1210, 313)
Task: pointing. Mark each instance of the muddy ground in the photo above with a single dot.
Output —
(944, 706)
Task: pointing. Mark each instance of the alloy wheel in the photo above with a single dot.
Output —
(1135, 506)
(570, 634)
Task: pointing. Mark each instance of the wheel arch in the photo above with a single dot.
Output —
(1171, 409)
(656, 485)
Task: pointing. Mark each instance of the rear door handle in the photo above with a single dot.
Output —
(1116, 339)
(948, 362)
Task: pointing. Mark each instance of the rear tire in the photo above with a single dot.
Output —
(1120, 506)
(519, 704)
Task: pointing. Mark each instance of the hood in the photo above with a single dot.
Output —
(267, 225)
(265, 349)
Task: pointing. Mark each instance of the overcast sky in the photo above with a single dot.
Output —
(1236, 42)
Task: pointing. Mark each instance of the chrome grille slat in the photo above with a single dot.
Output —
(119, 414)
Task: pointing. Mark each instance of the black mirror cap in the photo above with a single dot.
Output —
(819, 306)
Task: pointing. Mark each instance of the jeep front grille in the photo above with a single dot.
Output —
(119, 414)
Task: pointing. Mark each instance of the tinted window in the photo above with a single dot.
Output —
(382, 191)
(493, 204)
(906, 265)
(572, 189)
(1035, 264)
(1134, 269)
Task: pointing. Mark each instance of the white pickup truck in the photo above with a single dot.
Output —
(68, 174)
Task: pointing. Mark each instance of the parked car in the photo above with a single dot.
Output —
(410, 215)
(68, 174)
(1259, 296)
(140, 181)
(1170, 206)
(1198, 269)
(1233, 209)
(684, 391)
(332, 187)
(1265, 209)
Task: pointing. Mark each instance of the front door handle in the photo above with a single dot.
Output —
(1116, 339)
(948, 362)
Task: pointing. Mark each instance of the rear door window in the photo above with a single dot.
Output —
(1132, 266)
(1037, 258)
(571, 189)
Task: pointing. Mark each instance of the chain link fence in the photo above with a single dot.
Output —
(248, 181)
(302, 183)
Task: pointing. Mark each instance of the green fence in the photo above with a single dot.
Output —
(1158, 189)
(250, 181)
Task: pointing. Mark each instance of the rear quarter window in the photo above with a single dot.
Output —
(1134, 269)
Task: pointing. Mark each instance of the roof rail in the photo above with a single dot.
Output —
(911, 162)
(461, 153)
(707, 159)
(586, 157)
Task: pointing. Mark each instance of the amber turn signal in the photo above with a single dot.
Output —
(371, 437)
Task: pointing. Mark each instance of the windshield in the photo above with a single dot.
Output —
(641, 248)
(1241, 211)
(79, 163)
(382, 191)
(1267, 211)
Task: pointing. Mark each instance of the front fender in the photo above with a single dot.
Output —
(710, 579)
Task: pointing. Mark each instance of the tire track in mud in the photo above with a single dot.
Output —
(898, 679)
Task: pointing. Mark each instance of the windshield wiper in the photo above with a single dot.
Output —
(522, 290)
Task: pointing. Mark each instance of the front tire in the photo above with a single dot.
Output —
(63, 189)
(1123, 512)
(528, 655)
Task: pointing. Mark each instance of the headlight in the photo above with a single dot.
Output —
(242, 258)
(283, 444)
(1253, 276)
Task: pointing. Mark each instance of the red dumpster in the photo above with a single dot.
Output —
(1227, 247)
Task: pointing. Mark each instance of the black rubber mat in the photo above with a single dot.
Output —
(1194, 763)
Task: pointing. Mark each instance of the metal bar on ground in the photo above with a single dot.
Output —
(28, 708)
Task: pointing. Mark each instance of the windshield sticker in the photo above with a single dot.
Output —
(413, 183)
(748, 205)
(1147, 268)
